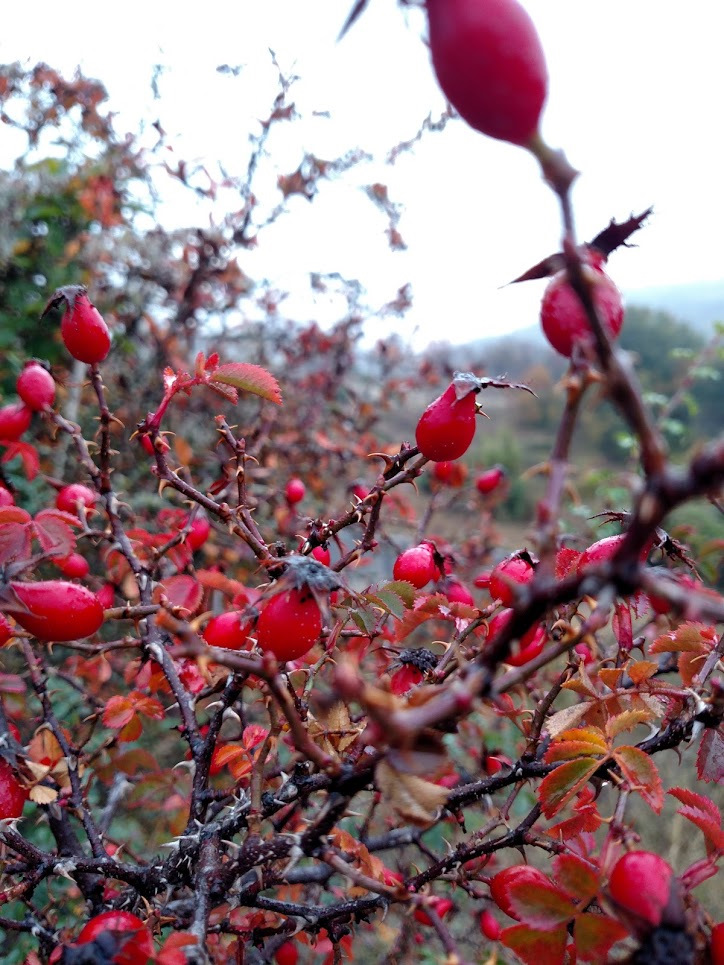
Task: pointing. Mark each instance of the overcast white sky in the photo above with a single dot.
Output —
(635, 100)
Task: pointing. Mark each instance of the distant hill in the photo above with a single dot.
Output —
(700, 304)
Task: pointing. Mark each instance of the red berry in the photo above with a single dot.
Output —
(562, 315)
(228, 630)
(456, 592)
(515, 571)
(716, 948)
(416, 566)
(489, 480)
(439, 905)
(107, 595)
(482, 580)
(489, 925)
(35, 386)
(6, 630)
(500, 883)
(322, 555)
(530, 645)
(84, 331)
(12, 793)
(640, 883)
(450, 473)
(286, 954)
(660, 604)
(360, 491)
(74, 566)
(58, 610)
(289, 624)
(6, 498)
(447, 425)
(494, 763)
(199, 532)
(14, 421)
(69, 497)
(135, 943)
(490, 65)
(295, 491)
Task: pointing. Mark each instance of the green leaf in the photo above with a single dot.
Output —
(540, 905)
(575, 877)
(249, 378)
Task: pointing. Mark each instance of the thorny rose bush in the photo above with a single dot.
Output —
(222, 742)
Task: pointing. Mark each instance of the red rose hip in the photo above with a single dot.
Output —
(14, 421)
(84, 331)
(490, 64)
(289, 624)
(57, 610)
(563, 318)
(69, 496)
(416, 566)
(35, 386)
(447, 426)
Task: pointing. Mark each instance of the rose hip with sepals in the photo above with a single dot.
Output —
(15, 419)
(35, 386)
(490, 64)
(133, 940)
(82, 327)
(447, 426)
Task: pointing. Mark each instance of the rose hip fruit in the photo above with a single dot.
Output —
(416, 566)
(6, 498)
(489, 480)
(289, 624)
(295, 491)
(73, 566)
(640, 882)
(69, 496)
(14, 421)
(447, 426)
(84, 331)
(520, 874)
(35, 386)
(563, 318)
(228, 630)
(490, 64)
(515, 571)
(57, 610)
(12, 793)
(135, 942)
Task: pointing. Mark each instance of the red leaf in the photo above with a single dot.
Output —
(566, 562)
(148, 706)
(181, 591)
(710, 759)
(595, 935)
(28, 456)
(132, 730)
(53, 532)
(698, 801)
(622, 626)
(558, 787)
(536, 947)
(14, 542)
(171, 953)
(541, 906)
(118, 711)
(249, 378)
(640, 771)
(575, 876)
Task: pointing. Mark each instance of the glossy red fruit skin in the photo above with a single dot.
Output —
(489, 925)
(228, 630)
(12, 794)
(84, 332)
(416, 566)
(519, 873)
(286, 954)
(35, 386)
(289, 624)
(199, 532)
(447, 426)
(716, 947)
(489, 480)
(562, 315)
(439, 905)
(107, 595)
(15, 419)
(322, 555)
(600, 552)
(457, 592)
(6, 498)
(640, 883)
(490, 64)
(295, 491)
(506, 575)
(75, 566)
(58, 610)
(530, 645)
(69, 496)
(137, 949)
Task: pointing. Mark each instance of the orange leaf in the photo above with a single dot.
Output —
(627, 721)
(575, 876)
(132, 730)
(540, 904)
(118, 711)
(641, 670)
(534, 947)
(687, 638)
(249, 378)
